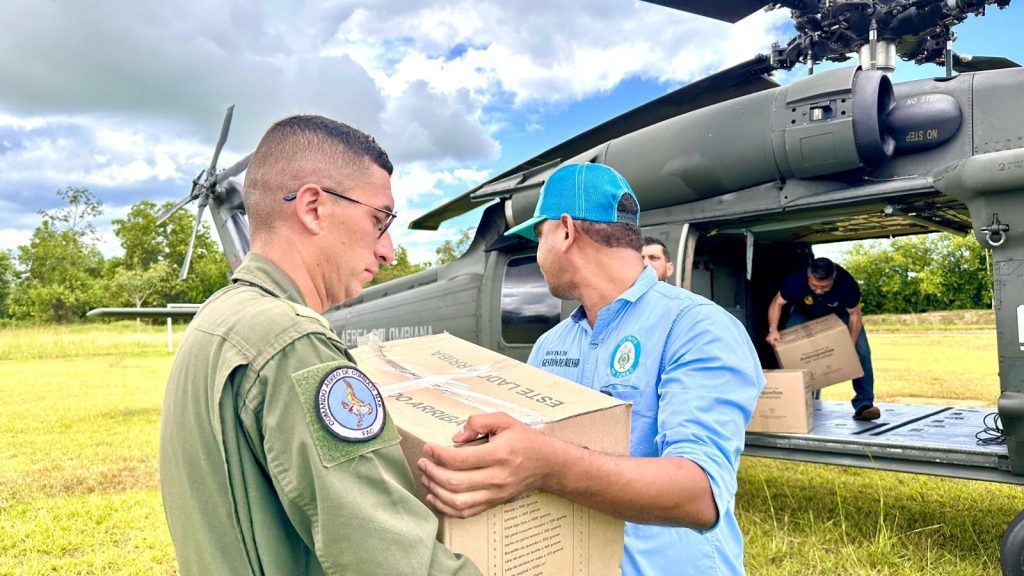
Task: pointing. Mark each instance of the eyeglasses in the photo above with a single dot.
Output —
(382, 226)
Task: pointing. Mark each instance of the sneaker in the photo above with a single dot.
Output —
(868, 412)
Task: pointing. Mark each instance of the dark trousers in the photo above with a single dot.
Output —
(863, 387)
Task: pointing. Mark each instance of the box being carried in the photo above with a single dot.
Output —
(785, 404)
(432, 384)
(823, 347)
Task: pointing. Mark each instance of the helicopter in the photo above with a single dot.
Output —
(740, 177)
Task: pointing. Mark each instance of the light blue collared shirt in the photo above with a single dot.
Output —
(692, 374)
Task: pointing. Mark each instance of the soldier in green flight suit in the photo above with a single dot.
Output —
(277, 455)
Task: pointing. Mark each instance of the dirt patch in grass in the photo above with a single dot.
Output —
(935, 321)
(65, 479)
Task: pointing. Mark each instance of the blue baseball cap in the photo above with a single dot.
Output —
(584, 192)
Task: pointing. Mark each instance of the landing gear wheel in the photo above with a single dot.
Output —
(1011, 548)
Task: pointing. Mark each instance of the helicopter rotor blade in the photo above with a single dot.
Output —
(192, 242)
(234, 170)
(167, 213)
(732, 11)
(739, 80)
(963, 63)
(224, 128)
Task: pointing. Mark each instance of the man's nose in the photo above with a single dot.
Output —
(384, 250)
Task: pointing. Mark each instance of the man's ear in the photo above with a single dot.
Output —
(669, 269)
(307, 207)
(568, 230)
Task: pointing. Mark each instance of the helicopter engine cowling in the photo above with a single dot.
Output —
(843, 121)
(828, 123)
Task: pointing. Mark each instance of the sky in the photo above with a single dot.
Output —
(126, 97)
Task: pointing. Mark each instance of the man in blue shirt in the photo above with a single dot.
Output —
(827, 288)
(688, 367)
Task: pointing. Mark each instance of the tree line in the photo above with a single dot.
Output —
(61, 274)
(922, 273)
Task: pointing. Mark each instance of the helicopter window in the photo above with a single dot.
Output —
(527, 308)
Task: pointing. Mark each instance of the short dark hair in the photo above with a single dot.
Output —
(355, 141)
(652, 241)
(618, 234)
(305, 149)
(822, 269)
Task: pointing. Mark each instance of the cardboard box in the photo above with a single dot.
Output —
(822, 346)
(785, 404)
(433, 383)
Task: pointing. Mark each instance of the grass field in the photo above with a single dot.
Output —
(79, 490)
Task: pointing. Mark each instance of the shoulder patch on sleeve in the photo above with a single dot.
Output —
(344, 411)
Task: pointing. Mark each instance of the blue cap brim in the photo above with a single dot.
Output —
(526, 228)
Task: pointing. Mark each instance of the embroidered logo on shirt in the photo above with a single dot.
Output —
(626, 357)
(809, 300)
(349, 405)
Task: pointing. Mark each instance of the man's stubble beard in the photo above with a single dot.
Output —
(562, 288)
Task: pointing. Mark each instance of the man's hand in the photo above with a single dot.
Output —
(774, 314)
(465, 481)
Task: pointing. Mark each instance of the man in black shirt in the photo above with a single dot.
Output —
(828, 289)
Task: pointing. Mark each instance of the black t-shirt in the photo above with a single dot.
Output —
(845, 294)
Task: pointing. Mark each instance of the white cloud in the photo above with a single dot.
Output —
(417, 185)
(11, 238)
(61, 151)
(540, 51)
(127, 97)
(414, 182)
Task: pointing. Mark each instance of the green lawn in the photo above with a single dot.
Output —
(79, 420)
(79, 489)
(915, 368)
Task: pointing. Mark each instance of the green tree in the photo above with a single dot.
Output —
(400, 267)
(208, 271)
(866, 262)
(449, 250)
(77, 215)
(921, 274)
(958, 277)
(136, 285)
(7, 278)
(61, 264)
(147, 244)
(140, 236)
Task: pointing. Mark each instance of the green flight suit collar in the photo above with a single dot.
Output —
(259, 271)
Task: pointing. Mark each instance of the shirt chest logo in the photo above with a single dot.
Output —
(626, 357)
(349, 405)
(809, 300)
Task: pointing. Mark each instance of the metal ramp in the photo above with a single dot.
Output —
(934, 440)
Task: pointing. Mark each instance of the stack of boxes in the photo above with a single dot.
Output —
(813, 355)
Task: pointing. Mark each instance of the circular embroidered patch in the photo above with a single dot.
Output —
(626, 357)
(349, 405)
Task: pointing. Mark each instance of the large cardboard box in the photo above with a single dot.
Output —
(785, 404)
(823, 347)
(432, 384)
